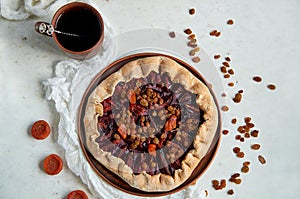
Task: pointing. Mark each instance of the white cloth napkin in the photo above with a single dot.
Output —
(66, 89)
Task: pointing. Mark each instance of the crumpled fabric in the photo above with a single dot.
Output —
(22, 9)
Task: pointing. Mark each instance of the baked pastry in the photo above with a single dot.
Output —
(151, 122)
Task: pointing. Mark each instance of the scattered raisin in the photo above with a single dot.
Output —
(233, 121)
(230, 71)
(247, 119)
(261, 159)
(188, 31)
(218, 34)
(191, 37)
(206, 193)
(236, 149)
(237, 181)
(257, 79)
(223, 183)
(223, 69)
(241, 129)
(218, 185)
(226, 64)
(254, 133)
(255, 146)
(240, 154)
(223, 95)
(245, 169)
(226, 76)
(225, 108)
(271, 86)
(196, 59)
(230, 22)
(192, 43)
(225, 132)
(192, 11)
(247, 163)
(217, 56)
(234, 178)
(250, 125)
(236, 175)
(172, 34)
(227, 59)
(238, 137)
(213, 33)
(230, 192)
(237, 98)
(194, 51)
(231, 84)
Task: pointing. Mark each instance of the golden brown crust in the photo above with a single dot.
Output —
(203, 139)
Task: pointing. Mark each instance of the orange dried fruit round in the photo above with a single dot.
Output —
(53, 164)
(40, 130)
(77, 194)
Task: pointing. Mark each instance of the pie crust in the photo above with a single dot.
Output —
(202, 140)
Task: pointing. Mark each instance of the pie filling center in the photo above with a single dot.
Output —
(150, 123)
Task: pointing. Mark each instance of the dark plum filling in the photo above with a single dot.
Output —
(150, 123)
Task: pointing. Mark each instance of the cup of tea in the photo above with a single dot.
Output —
(77, 28)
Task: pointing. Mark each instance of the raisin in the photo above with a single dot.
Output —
(271, 86)
(233, 121)
(188, 31)
(245, 169)
(230, 22)
(254, 133)
(237, 98)
(213, 33)
(172, 34)
(236, 149)
(255, 146)
(196, 59)
(261, 159)
(240, 154)
(227, 59)
(257, 79)
(231, 84)
(225, 108)
(192, 11)
(217, 56)
(230, 192)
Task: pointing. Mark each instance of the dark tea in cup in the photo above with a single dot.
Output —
(82, 22)
(77, 28)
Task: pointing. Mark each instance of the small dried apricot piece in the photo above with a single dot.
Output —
(77, 194)
(40, 130)
(53, 164)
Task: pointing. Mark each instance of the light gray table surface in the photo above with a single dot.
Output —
(264, 41)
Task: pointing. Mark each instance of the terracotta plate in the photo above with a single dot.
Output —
(112, 178)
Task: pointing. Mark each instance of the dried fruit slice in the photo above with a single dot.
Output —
(77, 194)
(53, 164)
(40, 130)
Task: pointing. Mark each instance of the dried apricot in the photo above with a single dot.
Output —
(40, 130)
(77, 194)
(53, 164)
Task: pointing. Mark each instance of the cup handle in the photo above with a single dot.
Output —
(44, 28)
